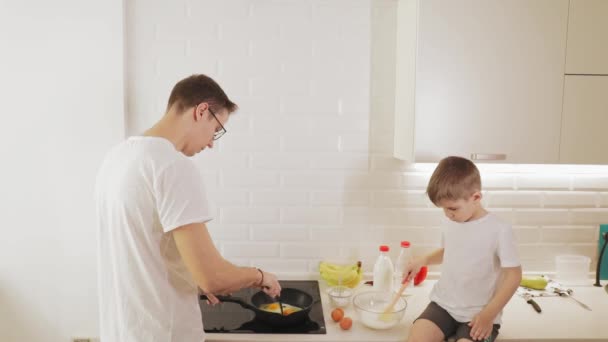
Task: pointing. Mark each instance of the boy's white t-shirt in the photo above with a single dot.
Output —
(146, 188)
(474, 253)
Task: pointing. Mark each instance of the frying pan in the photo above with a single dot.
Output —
(289, 296)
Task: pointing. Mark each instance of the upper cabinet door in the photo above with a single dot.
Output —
(587, 51)
(585, 120)
(489, 79)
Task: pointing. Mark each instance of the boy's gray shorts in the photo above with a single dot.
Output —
(449, 326)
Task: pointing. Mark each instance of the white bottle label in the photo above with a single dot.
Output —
(400, 264)
(383, 274)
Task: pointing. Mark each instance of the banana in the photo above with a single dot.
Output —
(537, 283)
(330, 267)
(336, 270)
(341, 278)
(346, 275)
(356, 280)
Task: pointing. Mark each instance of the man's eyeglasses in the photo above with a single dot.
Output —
(218, 134)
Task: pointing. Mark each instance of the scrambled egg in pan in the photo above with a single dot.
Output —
(275, 308)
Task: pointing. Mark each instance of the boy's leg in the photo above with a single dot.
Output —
(463, 333)
(433, 325)
(424, 330)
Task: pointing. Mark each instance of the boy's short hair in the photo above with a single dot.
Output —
(196, 89)
(454, 178)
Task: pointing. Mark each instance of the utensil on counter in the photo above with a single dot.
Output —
(529, 300)
(568, 293)
(553, 288)
(562, 291)
(528, 297)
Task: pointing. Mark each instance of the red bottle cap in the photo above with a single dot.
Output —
(405, 244)
(384, 248)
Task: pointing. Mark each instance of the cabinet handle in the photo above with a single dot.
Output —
(488, 156)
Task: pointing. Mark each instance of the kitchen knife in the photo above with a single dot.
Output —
(532, 302)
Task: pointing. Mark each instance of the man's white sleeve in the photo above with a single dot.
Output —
(180, 196)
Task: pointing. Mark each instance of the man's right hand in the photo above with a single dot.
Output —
(211, 299)
(270, 285)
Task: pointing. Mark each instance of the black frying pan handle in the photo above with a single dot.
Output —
(231, 299)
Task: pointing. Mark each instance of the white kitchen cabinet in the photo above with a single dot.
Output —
(585, 120)
(489, 80)
(587, 51)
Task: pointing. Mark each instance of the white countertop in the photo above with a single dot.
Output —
(562, 319)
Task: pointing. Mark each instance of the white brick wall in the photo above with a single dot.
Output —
(305, 171)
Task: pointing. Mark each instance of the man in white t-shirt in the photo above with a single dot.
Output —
(154, 250)
(480, 268)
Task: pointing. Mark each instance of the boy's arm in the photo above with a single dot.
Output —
(481, 325)
(413, 267)
(434, 258)
(506, 289)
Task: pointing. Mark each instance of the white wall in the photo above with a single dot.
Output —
(305, 171)
(61, 87)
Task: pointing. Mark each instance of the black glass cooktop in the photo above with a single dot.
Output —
(232, 318)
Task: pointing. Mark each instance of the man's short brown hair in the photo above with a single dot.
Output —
(454, 178)
(193, 90)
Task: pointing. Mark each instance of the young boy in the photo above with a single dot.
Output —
(481, 269)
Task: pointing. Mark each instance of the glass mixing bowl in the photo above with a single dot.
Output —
(370, 307)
